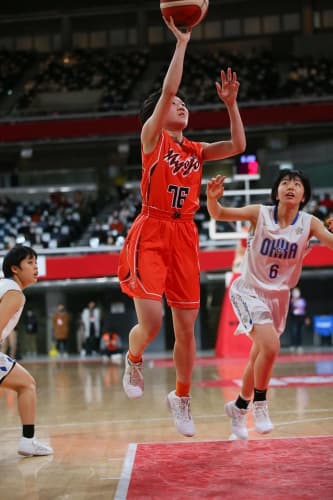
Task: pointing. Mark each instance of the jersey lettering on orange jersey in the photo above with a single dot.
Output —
(187, 165)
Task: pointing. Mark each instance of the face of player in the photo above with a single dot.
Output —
(27, 272)
(291, 191)
(177, 117)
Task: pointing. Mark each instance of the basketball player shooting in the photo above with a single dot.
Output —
(160, 255)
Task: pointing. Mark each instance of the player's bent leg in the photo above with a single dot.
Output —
(185, 346)
(20, 381)
(268, 342)
(184, 355)
(149, 313)
(248, 373)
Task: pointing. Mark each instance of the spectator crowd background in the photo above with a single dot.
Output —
(100, 81)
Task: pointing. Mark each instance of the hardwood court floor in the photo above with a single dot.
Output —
(84, 414)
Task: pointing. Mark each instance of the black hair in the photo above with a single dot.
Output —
(14, 257)
(150, 102)
(292, 174)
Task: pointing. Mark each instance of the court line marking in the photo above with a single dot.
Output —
(167, 419)
(126, 473)
(226, 440)
(298, 421)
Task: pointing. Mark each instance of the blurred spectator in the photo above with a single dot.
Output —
(91, 321)
(31, 330)
(111, 341)
(297, 320)
(60, 323)
(326, 203)
(111, 347)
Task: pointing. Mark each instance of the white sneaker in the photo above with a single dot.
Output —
(262, 422)
(238, 419)
(180, 407)
(31, 447)
(133, 383)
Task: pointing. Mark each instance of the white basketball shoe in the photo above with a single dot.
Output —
(238, 419)
(180, 407)
(262, 422)
(31, 447)
(133, 382)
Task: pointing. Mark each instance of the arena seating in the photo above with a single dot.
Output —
(96, 80)
(75, 220)
(56, 222)
(81, 81)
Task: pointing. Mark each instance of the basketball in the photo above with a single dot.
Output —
(185, 13)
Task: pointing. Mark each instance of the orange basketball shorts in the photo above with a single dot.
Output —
(160, 257)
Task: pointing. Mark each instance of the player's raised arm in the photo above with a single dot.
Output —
(227, 91)
(215, 191)
(151, 130)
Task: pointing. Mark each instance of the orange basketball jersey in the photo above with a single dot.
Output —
(171, 176)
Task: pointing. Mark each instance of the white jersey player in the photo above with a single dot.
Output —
(277, 243)
(271, 266)
(20, 270)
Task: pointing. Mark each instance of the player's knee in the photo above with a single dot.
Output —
(271, 349)
(186, 335)
(153, 327)
(30, 384)
(149, 328)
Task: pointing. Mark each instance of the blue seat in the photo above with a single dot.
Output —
(323, 325)
(323, 328)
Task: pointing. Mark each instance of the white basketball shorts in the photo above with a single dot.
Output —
(253, 306)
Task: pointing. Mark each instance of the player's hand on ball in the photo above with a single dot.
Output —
(180, 35)
(228, 88)
(215, 187)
